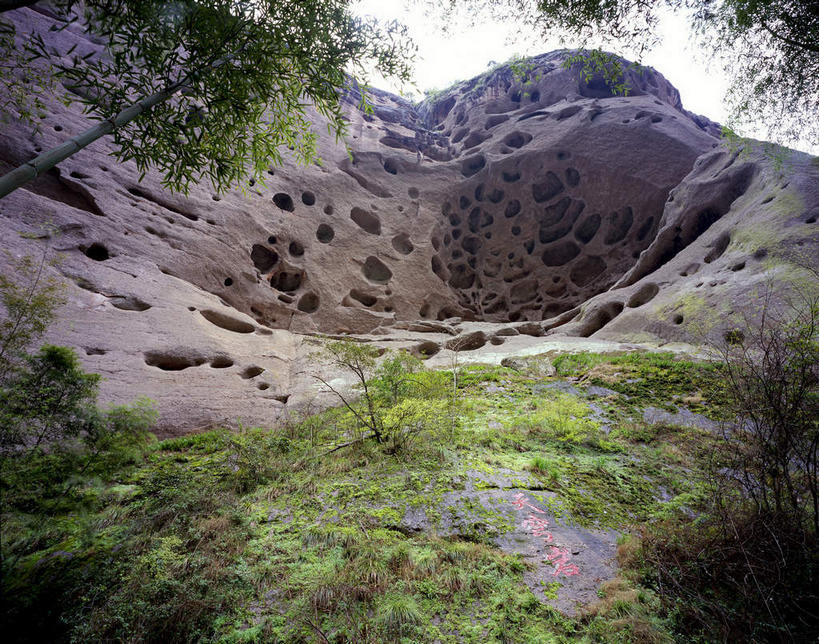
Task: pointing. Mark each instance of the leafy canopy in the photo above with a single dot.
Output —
(244, 76)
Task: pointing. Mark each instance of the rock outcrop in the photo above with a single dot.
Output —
(545, 205)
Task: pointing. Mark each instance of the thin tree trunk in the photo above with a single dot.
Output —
(47, 160)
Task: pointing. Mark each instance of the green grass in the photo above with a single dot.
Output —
(261, 536)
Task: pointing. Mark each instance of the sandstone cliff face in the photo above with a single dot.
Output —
(548, 205)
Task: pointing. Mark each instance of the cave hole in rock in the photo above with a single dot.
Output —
(678, 319)
(471, 244)
(456, 233)
(263, 258)
(174, 360)
(513, 208)
(262, 386)
(221, 362)
(367, 221)
(402, 243)
(272, 240)
(643, 295)
(376, 271)
(364, 298)
(328, 209)
(426, 349)
(296, 249)
(464, 202)
(227, 322)
(325, 233)
(251, 371)
(287, 281)
(496, 195)
(510, 177)
(567, 112)
(497, 119)
(228, 281)
(308, 198)
(461, 277)
(586, 269)
(284, 201)
(473, 165)
(548, 188)
(572, 177)
(718, 247)
(454, 220)
(525, 291)
(413, 192)
(475, 139)
(517, 140)
(479, 192)
(598, 318)
(129, 303)
(308, 303)
(97, 252)
(738, 266)
(618, 224)
(459, 134)
(560, 254)
(391, 166)
(587, 229)
(534, 96)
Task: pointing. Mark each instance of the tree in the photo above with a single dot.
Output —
(769, 48)
(207, 89)
(30, 300)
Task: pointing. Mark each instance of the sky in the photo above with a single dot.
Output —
(466, 51)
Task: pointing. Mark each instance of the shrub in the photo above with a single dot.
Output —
(748, 568)
(47, 400)
(398, 399)
(30, 300)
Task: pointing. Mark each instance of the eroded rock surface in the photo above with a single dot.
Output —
(524, 208)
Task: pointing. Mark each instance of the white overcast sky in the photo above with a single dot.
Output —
(466, 51)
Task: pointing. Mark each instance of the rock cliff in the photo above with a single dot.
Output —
(544, 205)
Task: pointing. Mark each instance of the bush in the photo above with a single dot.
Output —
(398, 401)
(47, 400)
(748, 568)
(770, 375)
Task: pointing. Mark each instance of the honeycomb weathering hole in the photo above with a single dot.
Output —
(402, 244)
(227, 322)
(174, 359)
(325, 233)
(517, 139)
(263, 258)
(284, 201)
(376, 271)
(366, 220)
(308, 303)
(643, 295)
(97, 252)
